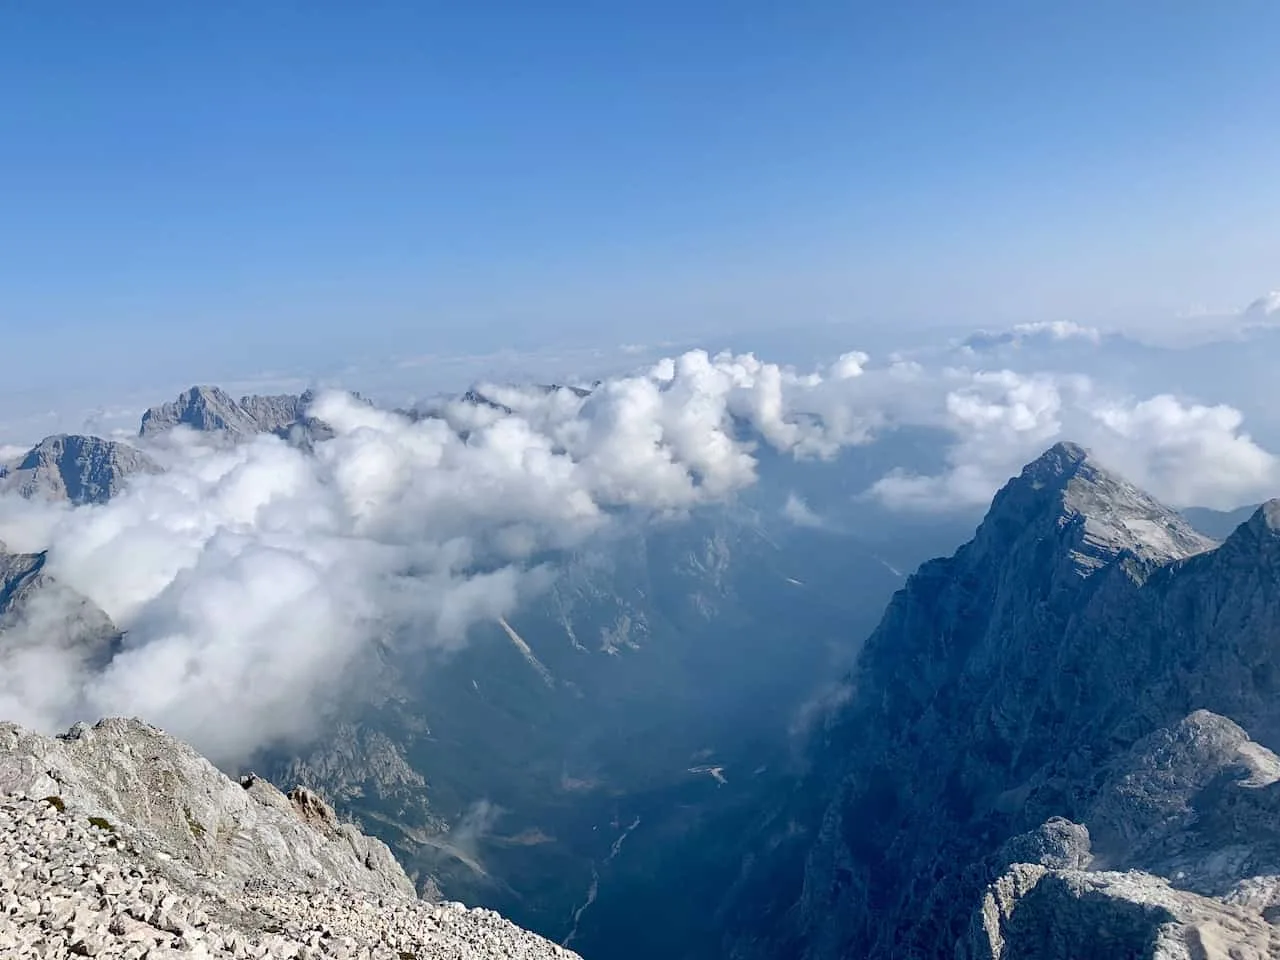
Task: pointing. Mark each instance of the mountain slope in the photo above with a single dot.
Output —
(74, 469)
(209, 409)
(44, 622)
(117, 837)
(1082, 617)
(671, 664)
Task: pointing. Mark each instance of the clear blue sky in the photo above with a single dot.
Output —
(185, 183)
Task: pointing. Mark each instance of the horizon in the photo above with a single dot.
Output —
(215, 194)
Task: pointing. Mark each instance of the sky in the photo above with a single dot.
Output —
(404, 197)
(193, 192)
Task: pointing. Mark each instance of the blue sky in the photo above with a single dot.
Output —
(202, 189)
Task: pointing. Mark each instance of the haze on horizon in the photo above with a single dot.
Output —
(237, 191)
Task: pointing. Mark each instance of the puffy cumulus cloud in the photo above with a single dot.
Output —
(799, 512)
(1000, 419)
(251, 580)
(849, 365)
(1057, 330)
(1188, 453)
(1184, 452)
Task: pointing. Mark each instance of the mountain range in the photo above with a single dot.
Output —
(1056, 742)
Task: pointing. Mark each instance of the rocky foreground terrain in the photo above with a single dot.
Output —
(118, 841)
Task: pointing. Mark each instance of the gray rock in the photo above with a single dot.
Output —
(75, 469)
(209, 409)
(1025, 678)
(1058, 843)
(191, 816)
(73, 884)
(38, 612)
(204, 408)
(1033, 913)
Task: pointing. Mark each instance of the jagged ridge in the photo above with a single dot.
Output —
(1083, 616)
(75, 469)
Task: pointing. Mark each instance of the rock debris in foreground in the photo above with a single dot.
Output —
(69, 888)
(118, 841)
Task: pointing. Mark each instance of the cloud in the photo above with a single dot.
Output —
(1024, 335)
(798, 512)
(1191, 454)
(1184, 452)
(1263, 312)
(253, 581)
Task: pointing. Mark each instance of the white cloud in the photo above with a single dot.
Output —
(799, 513)
(1183, 452)
(1026, 336)
(1265, 311)
(252, 580)
(1188, 453)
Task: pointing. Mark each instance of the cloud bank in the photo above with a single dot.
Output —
(253, 582)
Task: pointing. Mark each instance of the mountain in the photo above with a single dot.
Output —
(211, 410)
(1218, 524)
(1001, 695)
(74, 469)
(577, 762)
(41, 617)
(118, 838)
(1180, 858)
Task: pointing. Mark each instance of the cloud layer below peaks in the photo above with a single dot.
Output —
(251, 579)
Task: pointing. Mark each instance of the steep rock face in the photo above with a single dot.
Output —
(1184, 830)
(210, 409)
(42, 618)
(1033, 913)
(74, 469)
(204, 408)
(1082, 617)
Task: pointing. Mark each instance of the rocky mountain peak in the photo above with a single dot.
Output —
(1041, 693)
(77, 469)
(211, 410)
(1063, 459)
(204, 408)
(1255, 542)
(1066, 492)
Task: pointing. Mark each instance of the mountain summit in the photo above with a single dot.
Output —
(212, 410)
(1099, 512)
(993, 714)
(73, 468)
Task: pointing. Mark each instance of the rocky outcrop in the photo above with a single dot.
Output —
(117, 839)
(1034, 913)
(1185, 827)
(1008, 685)
(74, 469)
(132, 773)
